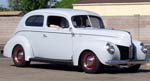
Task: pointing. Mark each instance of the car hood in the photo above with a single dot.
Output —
(117, 37)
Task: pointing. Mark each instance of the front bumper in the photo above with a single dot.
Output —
(126, 62)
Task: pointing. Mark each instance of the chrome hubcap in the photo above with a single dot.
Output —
(19, 56)
(89, 61)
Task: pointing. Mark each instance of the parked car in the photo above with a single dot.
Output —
(75, 37)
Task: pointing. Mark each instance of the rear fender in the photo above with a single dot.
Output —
(21, 40)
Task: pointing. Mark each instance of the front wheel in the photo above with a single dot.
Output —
(90, 63)
(18, 56)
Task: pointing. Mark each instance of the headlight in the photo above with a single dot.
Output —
(143, 49)
(110, 48)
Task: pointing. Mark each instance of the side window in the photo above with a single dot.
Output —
(36, 20)
(96, 22)
(57, 22)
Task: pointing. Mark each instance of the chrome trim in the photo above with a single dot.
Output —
(122, 62)
(131, 52)
(131, 48)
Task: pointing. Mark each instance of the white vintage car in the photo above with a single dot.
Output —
(75, 37)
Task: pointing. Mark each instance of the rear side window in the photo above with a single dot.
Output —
(36, 20)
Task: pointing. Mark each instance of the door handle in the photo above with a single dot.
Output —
(72, 34)
(44, 35)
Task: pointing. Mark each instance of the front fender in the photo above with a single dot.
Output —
(21, 40)
(139, 54)
(98, 48)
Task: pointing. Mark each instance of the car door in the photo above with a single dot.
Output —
(56, 41)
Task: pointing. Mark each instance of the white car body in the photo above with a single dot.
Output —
(67, 44)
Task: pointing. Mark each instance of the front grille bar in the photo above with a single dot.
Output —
(131, 52)
(124, 52)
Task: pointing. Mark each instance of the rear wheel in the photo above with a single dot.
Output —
(18, 56)
(133, 68)
(90, 63)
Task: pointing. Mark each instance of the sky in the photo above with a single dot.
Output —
(4, 3)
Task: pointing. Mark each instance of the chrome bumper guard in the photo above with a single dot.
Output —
(126, 62)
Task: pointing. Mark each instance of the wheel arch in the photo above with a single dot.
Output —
(77, 57)
(14, 48)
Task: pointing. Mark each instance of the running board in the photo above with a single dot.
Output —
(54, 61)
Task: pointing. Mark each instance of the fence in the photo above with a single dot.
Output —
(7, 27)
(139, 26)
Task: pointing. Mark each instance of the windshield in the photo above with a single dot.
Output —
(86, 21)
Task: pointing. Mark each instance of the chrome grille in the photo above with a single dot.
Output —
(130, 52)
(124, 52)
(127, 53)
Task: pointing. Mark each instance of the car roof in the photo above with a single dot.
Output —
(64, 11)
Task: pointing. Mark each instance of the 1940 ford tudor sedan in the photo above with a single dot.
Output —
(74, 37)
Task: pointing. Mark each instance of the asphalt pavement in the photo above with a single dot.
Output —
(1, 55)
(48, 72)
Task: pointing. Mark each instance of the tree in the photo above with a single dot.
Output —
(3, 9)
(29, 5)
(14, 4)
(66, 3)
